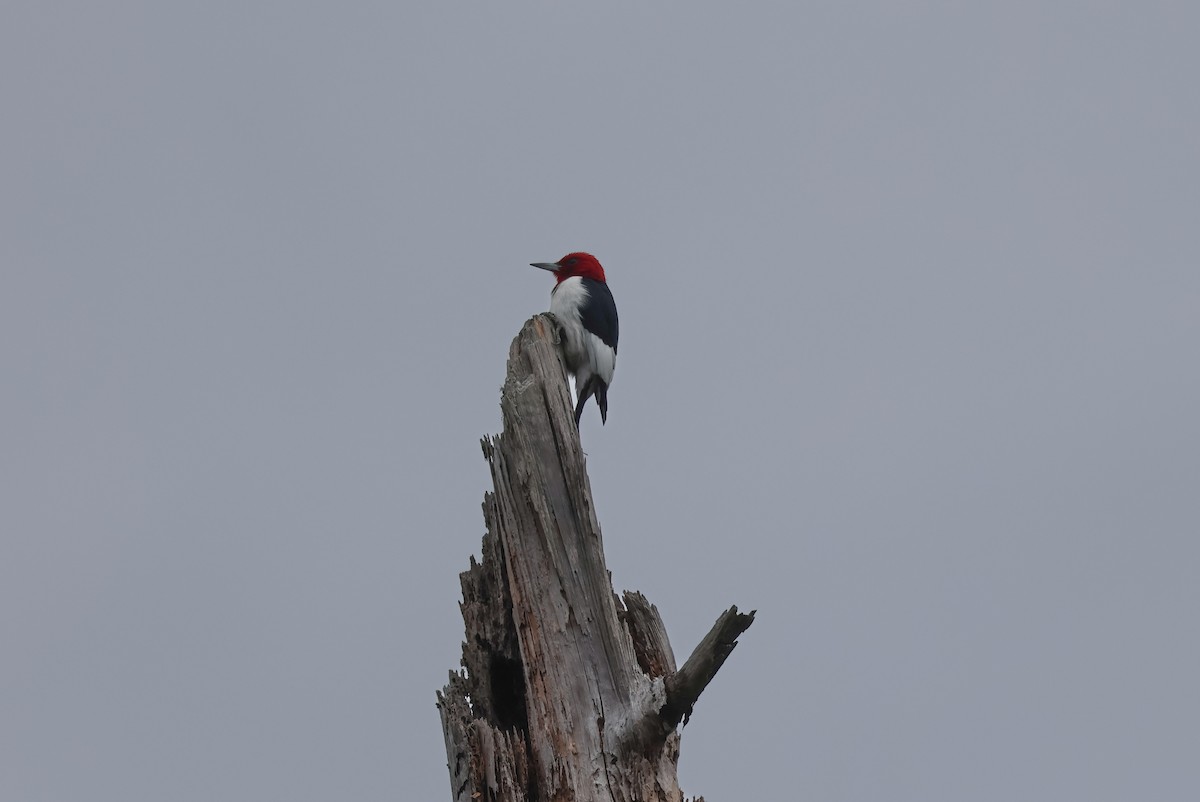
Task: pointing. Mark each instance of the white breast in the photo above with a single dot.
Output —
(586, 353)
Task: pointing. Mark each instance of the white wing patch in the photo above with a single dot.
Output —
(603, 358)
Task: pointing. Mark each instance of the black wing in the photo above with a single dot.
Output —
(599, 314)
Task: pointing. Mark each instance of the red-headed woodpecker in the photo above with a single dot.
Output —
(583, 305)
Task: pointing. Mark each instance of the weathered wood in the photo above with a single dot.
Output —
(650, 642)
(685, 685)
(568, 694)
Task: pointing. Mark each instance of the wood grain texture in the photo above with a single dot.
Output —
(567, 691)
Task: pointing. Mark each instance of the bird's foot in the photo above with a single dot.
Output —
(560, 330)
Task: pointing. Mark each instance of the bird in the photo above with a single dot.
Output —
(583, 305)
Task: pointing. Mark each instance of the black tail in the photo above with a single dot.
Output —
(593, 386)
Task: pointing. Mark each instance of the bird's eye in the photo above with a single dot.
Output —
(572, 260)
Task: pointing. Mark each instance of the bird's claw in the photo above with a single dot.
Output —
(560, 330)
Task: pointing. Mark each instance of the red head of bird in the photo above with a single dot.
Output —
(579, 264)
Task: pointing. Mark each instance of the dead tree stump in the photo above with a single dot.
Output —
(568, 693)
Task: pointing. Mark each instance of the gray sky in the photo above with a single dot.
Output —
(910, 308)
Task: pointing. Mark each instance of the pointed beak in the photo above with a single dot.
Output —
(545, 266)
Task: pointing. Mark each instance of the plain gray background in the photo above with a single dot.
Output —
(910, 307)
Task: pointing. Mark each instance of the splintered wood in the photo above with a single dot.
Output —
(568, 693)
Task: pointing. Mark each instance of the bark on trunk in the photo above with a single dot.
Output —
(568, 693)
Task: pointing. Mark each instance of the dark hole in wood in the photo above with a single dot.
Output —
(508, 693)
